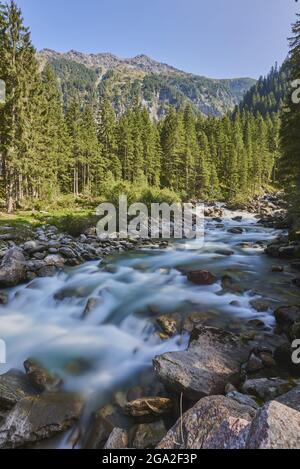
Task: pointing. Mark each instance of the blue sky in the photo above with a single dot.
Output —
(216, 38)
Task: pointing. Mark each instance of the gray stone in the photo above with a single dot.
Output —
(14, 386)
(148, 435)
(214, 358)
(118, 439)
(33, 247)
(291, 399)
(275, 426)
(243, 399)
(67, 252)
(288, 320)
(215, 422)
(201, 277)
(13, 268)
(37, 418)
(267, 388)
(103, 423)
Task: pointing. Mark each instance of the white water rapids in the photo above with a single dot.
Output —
(119, 338)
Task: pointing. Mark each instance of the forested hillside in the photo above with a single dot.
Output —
(84, 147)
(156, 85)
(290, 132)
(267, 96)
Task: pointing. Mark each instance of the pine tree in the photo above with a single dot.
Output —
(19, 70)
(107, 128)
(290, 135)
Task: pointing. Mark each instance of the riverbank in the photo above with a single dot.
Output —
(218, 321)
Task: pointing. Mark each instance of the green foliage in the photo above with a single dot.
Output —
(85, 150)
(290, 134)
(268, 94)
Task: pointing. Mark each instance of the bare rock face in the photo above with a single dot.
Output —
(37, 418)
(275, 426)
(14, 386)
(214, 358)
(13, 268)
(152, 407)
(118, 439)
(201, 277)
(215, 422)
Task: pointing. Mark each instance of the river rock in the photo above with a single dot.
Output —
(103, 423)
(201, 277)
(214, 358)
(3, 298)
(37, 418)
(148, 435)
(276, 426)
(40, 378)
(33, 247)
(13, 268)
(118, 439)
(14, 386)
(171, 324)
(67, 252)
(215, 422)
(152, 406)
(91, 305)
(267, 388)
(54, 260)
(288, 321)
(243, 399)
(224, 252)
(291, 399)
(235, 231)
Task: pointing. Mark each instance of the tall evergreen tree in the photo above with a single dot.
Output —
(290, 134)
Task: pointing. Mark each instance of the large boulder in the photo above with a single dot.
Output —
(37, 418)
(214, 358)
(13, 268)
(14, 386)
(276, 426)
(215, 422)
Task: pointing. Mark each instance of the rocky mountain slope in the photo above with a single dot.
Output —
(156, 84)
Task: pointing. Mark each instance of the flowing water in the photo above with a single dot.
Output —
(118, 339)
